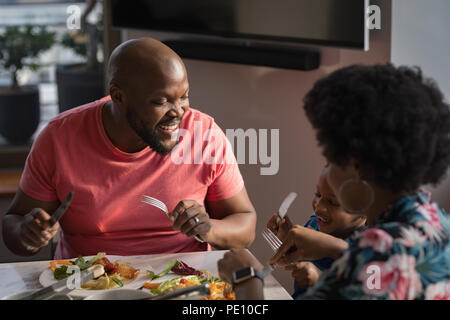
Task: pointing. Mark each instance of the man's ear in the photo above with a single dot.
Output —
(117, 95)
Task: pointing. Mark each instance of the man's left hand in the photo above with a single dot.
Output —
(191, 218)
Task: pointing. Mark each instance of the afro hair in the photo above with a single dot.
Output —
(391, 120)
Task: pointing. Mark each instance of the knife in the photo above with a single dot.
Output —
(285, 205)
(47, 292)
(61, 209)
(188, 293)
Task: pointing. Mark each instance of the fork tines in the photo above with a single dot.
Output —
(272, 239)
(154, 202)
(160, 205)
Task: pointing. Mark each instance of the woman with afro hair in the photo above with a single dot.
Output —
(385, 131)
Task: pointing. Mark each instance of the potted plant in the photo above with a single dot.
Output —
(80, 83)
(20, 46)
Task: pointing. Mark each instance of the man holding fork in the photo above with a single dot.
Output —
(115, 150)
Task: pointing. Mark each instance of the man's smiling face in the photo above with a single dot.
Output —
(156, 106)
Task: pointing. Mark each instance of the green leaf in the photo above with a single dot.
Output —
(83, 264)
(99, 256)
(20, 46)
(169, 266)
(118, 281)
(61, 273)
(156, 291)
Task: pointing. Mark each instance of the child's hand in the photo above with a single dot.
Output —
(282, 228)
(305, 273)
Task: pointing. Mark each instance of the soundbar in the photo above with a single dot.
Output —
(286, 58)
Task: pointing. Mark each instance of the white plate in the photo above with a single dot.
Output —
(20, 295)
(46, 278)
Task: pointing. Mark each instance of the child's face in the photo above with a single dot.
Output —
(332, 219)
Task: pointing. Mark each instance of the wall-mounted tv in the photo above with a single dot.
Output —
(339, 23)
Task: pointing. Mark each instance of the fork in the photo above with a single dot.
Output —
(155, 202)
(273, 241)
(268, 235)
(160, 205)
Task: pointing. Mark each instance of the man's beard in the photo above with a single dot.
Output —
(150, 137)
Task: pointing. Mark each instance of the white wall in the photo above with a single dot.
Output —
(420, 36)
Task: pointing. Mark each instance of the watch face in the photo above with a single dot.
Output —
(243, 273)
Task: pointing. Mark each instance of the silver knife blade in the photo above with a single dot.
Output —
(46, 292)
(61, 209)
(85, 276)
(286, 204)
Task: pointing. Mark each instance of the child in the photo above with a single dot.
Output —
(328, 217)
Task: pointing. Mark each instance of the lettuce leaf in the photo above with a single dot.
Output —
(83, 264)
(166, 270)
(61, 272)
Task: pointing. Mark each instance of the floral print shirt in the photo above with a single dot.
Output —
(405, 254)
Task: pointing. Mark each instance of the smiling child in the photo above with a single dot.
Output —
(328, 217)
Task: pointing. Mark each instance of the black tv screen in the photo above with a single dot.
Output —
(323, 22)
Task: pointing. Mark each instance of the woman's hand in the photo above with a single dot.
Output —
(304, 273)
(234, 260)
(306, 244)
(282, 228)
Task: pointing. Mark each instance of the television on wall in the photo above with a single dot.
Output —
(339, 23)
(274, 33)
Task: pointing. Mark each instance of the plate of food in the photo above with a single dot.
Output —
(177, 274)
(118, 274)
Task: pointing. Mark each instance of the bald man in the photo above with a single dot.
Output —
(142, 139)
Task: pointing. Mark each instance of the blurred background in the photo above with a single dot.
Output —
(66, 67)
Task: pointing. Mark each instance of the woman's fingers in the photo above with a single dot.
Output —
(291, 266)
(285, 247)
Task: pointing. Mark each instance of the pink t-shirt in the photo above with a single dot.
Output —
(73, 152)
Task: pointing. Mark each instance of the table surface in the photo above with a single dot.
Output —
(19, 276)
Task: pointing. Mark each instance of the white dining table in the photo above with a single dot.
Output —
(21, 276)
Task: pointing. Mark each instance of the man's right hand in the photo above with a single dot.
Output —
(36, 231)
